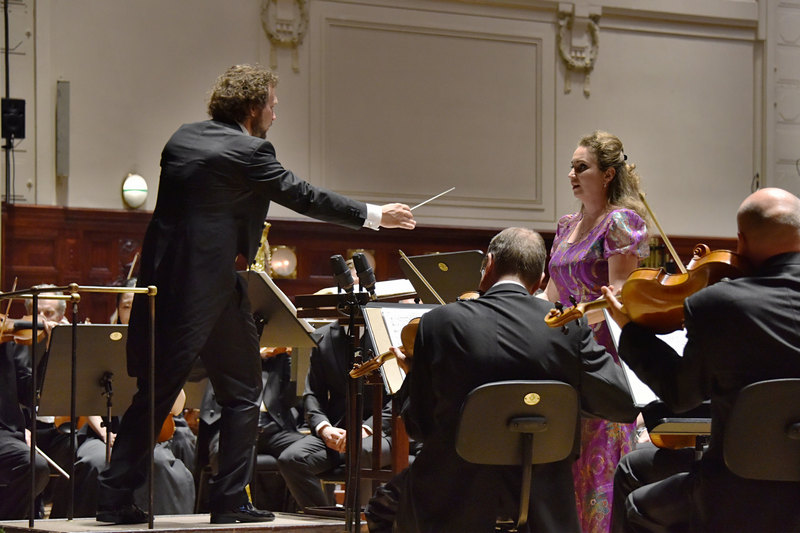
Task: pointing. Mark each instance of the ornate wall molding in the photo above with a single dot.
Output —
(284, 32)
(578, 56)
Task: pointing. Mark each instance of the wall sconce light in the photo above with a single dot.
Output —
(134, 191)
(369, 254)
(283, 262)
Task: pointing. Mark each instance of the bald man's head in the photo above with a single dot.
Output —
(769, 224)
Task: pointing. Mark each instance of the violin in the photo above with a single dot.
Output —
(469, 295)
(267, 352)
(167, 429)
(407, 336)
(20, 330)
(654, 299)
(63, 423)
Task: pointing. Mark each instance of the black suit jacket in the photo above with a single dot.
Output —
(214, 192)
(739, 332)
(325, 394)
(15, 389)
(500, 336)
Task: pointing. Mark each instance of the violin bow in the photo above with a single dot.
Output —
(663, 235)
(8, 307)
(421, 277)
(133, 265)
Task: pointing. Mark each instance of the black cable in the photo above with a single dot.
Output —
(5, 22)
(8, 146)
(12, 171)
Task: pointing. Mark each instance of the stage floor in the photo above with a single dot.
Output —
(181, 524)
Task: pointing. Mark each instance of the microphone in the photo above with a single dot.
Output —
(366, 276)
(344, 278)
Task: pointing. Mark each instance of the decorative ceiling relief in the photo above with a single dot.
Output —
(578, 41)
(285, 22)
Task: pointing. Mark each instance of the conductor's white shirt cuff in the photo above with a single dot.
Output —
(374, 215)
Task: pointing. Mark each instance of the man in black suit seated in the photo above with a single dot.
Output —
(277, 422)
(499, 336)
(218, 178)
(15, 383)
(739, 332)
(325, 406)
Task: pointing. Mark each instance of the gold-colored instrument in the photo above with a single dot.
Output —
(263, 258)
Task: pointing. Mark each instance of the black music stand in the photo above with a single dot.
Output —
(451, 274)
(101, 373)
(384, 321)
(271, 306)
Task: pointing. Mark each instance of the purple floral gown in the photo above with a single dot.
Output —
(579, 269)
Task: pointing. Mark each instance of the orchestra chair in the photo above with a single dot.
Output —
(518, 423)
(762, 436)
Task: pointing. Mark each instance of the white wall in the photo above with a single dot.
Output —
(403, 99)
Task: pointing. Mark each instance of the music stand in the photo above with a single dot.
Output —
(271, 306)
(451, 274)
(101, 350)
(384, 322)
(101, 372)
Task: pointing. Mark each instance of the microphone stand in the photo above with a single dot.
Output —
(107, 382)
(355, 399)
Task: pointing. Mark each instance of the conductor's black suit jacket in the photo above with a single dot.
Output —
(739, 332)
(214, 192)
(500, 336)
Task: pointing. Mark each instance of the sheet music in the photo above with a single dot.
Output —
(385, 323)
(396, 318)
(284, 327)
(286, 302)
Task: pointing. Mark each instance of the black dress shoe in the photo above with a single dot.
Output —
(243, 513)
(124, 514)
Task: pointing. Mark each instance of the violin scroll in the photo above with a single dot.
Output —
(559, 317)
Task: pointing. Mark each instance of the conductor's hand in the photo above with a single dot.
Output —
(615, 307)
(397, 216)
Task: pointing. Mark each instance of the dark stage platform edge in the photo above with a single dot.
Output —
(181, 524)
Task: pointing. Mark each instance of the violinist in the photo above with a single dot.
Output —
(739, 332)
(182, 442)
(277, 424)
(600, 244)
(499, 336)
(173, 481)
(15, 391)
(54, 443)
(325, 406)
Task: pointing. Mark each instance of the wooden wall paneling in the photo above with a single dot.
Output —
(45, 244)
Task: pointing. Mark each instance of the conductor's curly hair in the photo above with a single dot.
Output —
(238, 90)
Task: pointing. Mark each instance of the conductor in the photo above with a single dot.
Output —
(218, 178)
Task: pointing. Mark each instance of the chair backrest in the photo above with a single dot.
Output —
(762, 436)
(494, 415)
